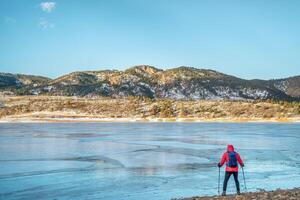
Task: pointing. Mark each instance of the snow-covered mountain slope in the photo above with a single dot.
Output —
(177, 83)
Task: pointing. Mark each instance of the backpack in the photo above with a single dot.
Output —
(232, 159)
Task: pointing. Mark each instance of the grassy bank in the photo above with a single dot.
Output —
(144, 109)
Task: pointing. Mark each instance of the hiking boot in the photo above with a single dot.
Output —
(223, 193)
(238, 193)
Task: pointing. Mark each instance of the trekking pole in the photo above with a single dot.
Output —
(219, 183)
(244, 179)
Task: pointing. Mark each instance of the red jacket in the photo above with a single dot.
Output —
(225, 159)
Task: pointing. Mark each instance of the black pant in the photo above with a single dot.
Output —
(227, 176)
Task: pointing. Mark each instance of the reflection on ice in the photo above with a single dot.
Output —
(140, 160)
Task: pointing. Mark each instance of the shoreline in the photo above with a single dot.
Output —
(278, 194)
(144, 120)
(69, 109)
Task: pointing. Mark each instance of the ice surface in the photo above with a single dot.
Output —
(141, 160)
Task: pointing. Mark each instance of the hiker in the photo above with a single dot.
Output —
(231, 158)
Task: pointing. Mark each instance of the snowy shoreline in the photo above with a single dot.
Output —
(146, 120)
(278, 194)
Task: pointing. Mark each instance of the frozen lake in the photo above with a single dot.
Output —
(141, 160)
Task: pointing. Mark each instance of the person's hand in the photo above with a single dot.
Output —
(243, 165)
(219, 165)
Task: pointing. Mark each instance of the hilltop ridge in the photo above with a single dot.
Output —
(178, 83)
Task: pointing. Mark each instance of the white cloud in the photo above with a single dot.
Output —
(45, 24)
(47, 6)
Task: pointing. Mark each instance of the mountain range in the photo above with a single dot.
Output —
(176, 83)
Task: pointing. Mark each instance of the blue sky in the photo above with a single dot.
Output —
(249, 39)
